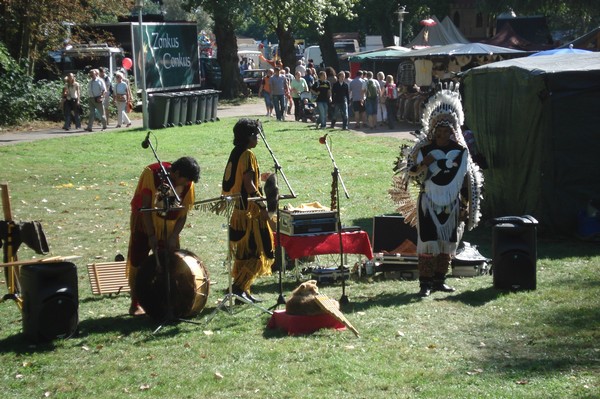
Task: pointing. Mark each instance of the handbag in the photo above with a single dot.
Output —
(129, 107)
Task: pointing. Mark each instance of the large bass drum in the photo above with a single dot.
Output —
(189, 286)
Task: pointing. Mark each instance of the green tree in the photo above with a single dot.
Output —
(287, 18)
(30, 28)
(226, 15)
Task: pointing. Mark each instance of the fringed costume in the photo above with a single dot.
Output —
(251, 237)
(449, 187)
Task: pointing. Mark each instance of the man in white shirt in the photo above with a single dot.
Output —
(96, 93)
(358, 88)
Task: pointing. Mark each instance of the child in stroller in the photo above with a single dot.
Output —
(309, 108)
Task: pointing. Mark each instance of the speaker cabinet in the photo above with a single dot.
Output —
(514, 248)
(391, 231)
(50, 301)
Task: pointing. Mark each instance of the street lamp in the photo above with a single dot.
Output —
(401, 13)
(139, 4)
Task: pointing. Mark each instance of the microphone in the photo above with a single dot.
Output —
(323, 139)
(146, 142)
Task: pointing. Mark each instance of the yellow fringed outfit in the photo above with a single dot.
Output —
(251, 238)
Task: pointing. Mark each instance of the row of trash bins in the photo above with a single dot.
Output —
(182, 108)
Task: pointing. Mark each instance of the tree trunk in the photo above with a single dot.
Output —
(287, 49)
(327, 48)
(231, 80)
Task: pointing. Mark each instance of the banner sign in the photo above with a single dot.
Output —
(170, 51)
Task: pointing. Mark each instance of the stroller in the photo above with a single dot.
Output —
(308, 110)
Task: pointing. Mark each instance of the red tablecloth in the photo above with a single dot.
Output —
(295, 325)
(354, 242)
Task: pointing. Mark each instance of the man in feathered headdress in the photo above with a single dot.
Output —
(449, 185)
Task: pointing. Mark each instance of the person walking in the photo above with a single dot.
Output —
(340, 96)
(323, 90)
(122, 99)
(71, 94)
(103, 74)
(96, 93)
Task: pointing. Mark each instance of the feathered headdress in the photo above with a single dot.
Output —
(444, 109)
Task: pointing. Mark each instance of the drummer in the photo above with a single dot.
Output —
(147, 227)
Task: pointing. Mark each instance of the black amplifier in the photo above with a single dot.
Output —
(293, 223)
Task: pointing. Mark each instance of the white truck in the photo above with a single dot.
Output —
(341, 47)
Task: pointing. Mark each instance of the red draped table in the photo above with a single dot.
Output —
(353, 242)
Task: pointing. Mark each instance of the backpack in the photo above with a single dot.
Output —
(371, 89)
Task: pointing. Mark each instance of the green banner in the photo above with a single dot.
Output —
(170, 51)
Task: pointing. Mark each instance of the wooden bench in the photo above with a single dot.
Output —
(108, 278)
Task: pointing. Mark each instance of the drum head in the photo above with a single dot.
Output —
(185, 295)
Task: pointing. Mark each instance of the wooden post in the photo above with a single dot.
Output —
(12, 272)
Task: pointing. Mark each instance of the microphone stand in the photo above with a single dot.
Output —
(278, 249)
(337, 178)
(166, 188)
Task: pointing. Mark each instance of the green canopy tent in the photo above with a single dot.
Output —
(536, 121)
(383, 59)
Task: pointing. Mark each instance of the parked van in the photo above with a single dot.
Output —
(341, 47)
(313, 53)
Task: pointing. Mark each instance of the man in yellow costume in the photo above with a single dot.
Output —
(250, 234)
(147, 225)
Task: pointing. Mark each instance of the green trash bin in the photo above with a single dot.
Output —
(159, 104)
(209, 100)
(174, 110)
(192, 114)
(183, 108)
(202, 106)
(215, 104)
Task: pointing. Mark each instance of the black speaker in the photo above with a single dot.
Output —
(514, 249)
(391, 231)
(50, 300)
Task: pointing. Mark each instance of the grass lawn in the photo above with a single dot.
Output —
(475, 343)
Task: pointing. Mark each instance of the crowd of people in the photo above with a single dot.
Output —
(102, 91)
(370, 100)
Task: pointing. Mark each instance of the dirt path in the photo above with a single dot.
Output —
(254, 110)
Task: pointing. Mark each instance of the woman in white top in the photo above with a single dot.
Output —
(122, 99)
(298, 86)
(71, 95)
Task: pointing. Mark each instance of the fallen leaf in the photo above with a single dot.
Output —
(85, 348)
(144, 387)
(475, 372)
(218, 375)
(522, 382)
(399, 334)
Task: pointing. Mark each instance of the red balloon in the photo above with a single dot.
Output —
(127, 63)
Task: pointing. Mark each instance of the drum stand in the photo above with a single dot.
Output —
(335, 196)
(167, 191)
(229, 299)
